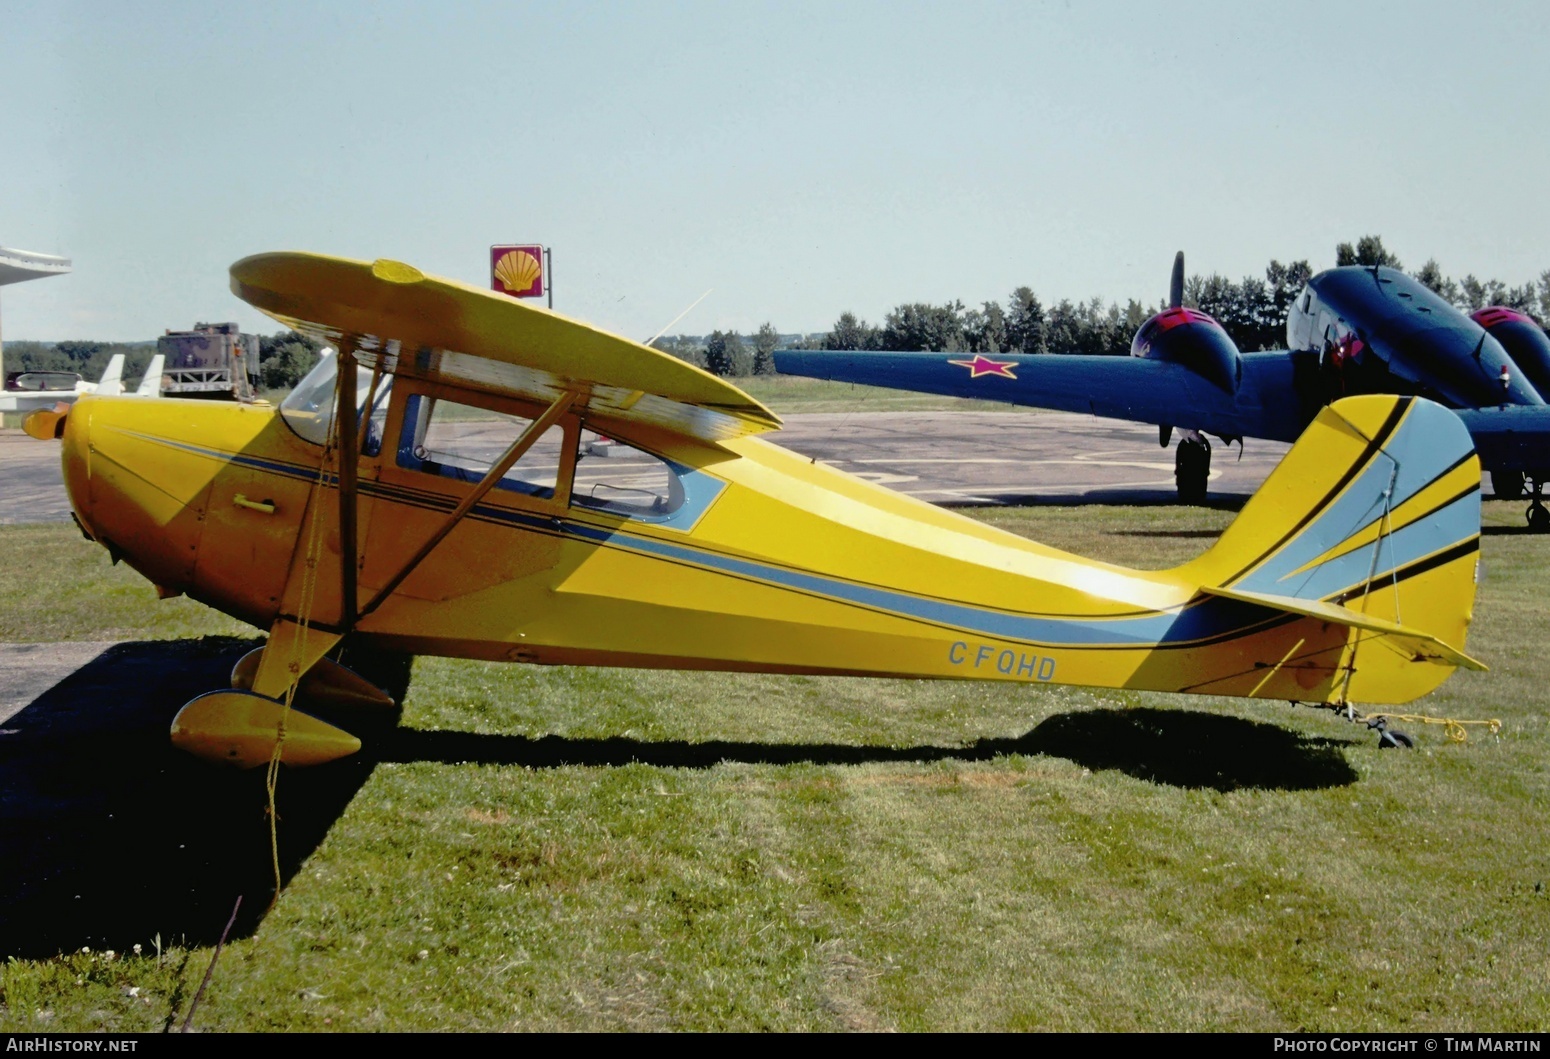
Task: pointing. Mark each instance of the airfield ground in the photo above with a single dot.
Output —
(563, 848)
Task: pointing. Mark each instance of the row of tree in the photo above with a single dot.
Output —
(1252, 311)
(283, 357)
(726, 352)
(87, 359)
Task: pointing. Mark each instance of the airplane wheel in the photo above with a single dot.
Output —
(389, 670)
(1539, 519)
(1191, 469)
(1393, 738)
(1509, 485)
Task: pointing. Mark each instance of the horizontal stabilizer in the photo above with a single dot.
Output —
(1420, 645)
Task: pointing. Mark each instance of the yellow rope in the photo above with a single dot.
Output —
(1452, 727)
(303, 621)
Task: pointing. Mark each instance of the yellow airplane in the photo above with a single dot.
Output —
(473, 477)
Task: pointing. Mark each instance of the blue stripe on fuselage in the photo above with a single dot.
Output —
(1206, 618)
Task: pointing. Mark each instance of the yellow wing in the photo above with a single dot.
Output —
(452, 333)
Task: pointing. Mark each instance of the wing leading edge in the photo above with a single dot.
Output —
(452, 333)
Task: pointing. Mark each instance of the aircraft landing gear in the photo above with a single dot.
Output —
(1390, 738)
(1192, 468)
(1538, 516)
(241, 726)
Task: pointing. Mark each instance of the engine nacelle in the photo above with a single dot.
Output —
(1191, 338)
(1523, 339)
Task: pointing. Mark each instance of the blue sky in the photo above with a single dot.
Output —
(800, 159)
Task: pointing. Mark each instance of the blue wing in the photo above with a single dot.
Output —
(1277, 395)
(1512, 438)
(1271, 400)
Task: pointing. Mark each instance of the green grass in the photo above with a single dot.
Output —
(56, 585)
(622, 849)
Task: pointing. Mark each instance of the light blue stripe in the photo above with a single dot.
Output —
(1428, 441)
(1439, 530)
(1208, 618)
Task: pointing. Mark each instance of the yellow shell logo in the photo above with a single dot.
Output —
(517, 270)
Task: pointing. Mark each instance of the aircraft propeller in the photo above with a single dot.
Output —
(1191, 338)
(1175, 300)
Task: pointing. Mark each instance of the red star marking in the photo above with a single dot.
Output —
(985, 366)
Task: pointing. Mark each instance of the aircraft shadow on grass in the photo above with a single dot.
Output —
(111, 837)
(1178, 534)
(1506, 531)
(1179, 748)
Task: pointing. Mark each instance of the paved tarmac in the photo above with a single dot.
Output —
(957, 458)
(31, 489)
(27, 670)
(968, 458)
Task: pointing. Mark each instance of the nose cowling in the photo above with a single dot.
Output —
(202, 497)
(135, 489)
(73, 466)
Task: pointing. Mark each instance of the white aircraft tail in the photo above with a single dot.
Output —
(112, 382)
(150, 385)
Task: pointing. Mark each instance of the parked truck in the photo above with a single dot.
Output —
(212, 360)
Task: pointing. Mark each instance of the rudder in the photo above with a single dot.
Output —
(1371, 520)
(150, 384)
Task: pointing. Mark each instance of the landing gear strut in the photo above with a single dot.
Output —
(1191, 468)
(1538, 516)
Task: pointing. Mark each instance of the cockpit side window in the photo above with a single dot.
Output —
(620, 479)
(462, 442)
(1299, 322)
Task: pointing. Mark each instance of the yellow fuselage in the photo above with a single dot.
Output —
(777, 564)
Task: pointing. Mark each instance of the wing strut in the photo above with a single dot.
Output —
(371, 404)
(496, 472)
(349, 455)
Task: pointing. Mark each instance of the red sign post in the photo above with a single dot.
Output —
(519, 269)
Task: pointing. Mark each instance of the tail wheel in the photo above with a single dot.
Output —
(1192, 469)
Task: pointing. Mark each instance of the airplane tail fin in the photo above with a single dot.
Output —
(150, 385)
(112, 381)
(1370, 522)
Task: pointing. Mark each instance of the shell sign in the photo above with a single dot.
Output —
(518, 270)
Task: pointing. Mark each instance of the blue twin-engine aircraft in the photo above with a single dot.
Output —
(1354, 330)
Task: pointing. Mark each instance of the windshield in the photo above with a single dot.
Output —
(309, 410)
